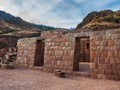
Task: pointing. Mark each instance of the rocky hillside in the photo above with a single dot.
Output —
(15, 26)
(12, 28)
(20, 24)
(100, 20)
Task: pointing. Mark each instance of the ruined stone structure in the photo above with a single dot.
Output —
(94, 54)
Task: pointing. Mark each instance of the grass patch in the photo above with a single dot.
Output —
(8, 31)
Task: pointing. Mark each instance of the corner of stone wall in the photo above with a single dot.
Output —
(26, 51)
(104, 54)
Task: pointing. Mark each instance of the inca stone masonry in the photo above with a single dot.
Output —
(94, 54)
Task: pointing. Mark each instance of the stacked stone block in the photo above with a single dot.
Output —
(26, 52)
(59, 52)
(105, 54)
(60, 49)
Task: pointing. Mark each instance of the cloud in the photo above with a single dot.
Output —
(58, 13)
(95, 5)
(80, 1)
(116, 8)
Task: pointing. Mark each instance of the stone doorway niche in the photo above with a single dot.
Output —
(82, 54)
(39, 53)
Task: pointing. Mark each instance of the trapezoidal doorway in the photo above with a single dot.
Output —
(39, 53)
(82, 54)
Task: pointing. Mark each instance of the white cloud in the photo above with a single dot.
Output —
(98, 4)
(116, 8)
(59, 13)
(80, 1)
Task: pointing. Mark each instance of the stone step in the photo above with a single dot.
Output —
(82, 74)
(37, 68)
(59, 73)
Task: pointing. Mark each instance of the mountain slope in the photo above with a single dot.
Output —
(13, 22)
(100, 20)
(12, 28)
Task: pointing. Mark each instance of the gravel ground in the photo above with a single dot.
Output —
(25, 79)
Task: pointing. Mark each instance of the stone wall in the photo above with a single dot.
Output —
(26, 51)
(105, 54)
(59, 51)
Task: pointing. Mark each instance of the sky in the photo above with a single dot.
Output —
(57, 13)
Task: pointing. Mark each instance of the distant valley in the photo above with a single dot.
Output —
(15, 27)
(12, 28)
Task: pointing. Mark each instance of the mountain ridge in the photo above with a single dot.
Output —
(106, 19)
(21, 24)
(13, 28)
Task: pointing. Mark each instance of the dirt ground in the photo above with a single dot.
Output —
(25, 79)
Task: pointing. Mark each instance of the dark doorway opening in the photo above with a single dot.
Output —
(39, 53)
(82, 54)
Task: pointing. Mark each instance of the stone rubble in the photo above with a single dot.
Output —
(8, 58)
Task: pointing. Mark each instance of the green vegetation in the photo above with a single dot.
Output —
(8, 31)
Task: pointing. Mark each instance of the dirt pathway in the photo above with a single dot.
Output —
(24, 79)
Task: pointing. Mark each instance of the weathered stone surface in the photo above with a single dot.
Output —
(60, 51)
(109, 60)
